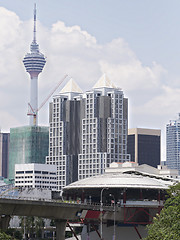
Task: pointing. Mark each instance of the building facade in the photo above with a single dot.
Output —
(173, 144)
(28, 144)
(35, 175)
(88, 130)
(4, 154)
(144, 146)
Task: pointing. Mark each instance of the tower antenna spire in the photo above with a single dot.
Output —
(34, 63)
(34, 39)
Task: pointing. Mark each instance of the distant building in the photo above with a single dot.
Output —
(88, 130)
(4, 154)
(173, 144)
(28, 144)
(144, 146)
(35, 175)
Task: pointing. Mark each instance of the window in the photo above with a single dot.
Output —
(19, 172)
(28, 171)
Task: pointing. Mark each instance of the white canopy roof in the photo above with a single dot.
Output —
(123, 180)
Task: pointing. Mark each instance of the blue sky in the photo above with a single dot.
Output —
(137, 43)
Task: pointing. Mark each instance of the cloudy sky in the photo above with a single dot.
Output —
(136, 43)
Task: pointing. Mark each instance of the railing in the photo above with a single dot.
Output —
(92, 204)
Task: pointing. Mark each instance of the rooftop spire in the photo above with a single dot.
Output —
(34, 45)
(34, 39)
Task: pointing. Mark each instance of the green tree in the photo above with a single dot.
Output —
(4, 236)
(166, 225)
(32, 226)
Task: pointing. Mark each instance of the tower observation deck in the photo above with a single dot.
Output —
(34, 63)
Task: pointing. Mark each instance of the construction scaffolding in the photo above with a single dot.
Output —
(28, 144)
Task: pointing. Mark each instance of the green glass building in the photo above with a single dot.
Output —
(28, 144)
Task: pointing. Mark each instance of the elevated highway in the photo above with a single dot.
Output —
(130, 212)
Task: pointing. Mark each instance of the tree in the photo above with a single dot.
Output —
(4, 236)
(32, 226)
(166, 225)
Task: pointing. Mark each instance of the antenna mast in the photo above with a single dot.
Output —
(34, 39)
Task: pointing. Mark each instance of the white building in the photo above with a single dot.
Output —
(34, 175)
(173, 144)
(162, 171)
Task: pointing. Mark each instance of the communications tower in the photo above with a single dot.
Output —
(34, 63)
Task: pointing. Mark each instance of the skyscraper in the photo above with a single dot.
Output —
(64, 133)
(173, 144)
(104, 128)
(144, 146)
(88, 130)
(34, 63)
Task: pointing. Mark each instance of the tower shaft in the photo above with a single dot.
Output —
(33, 120)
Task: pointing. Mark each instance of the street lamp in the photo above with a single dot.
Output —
(101, 210)
(114, 234)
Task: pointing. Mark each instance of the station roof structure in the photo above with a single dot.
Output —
(127, 177)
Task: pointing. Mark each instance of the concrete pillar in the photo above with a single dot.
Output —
(60, 229)
(4, 222)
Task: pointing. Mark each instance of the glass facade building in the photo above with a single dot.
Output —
(144, 146)
(173, 144)
(28, 144)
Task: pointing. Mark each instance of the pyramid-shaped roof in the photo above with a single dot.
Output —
(104, 82)
(71, 87)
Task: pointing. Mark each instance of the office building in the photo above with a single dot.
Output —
(35, 175)
(28, 144)
(173, 144)
(88, 130)
(4, 154)
(144, 146)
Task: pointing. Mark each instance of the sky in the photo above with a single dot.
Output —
(136, 43)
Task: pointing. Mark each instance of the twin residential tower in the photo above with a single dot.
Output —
(88, 130)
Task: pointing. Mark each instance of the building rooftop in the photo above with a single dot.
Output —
(71, 87)
(104, 82)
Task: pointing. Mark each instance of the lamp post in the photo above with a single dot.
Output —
(114, 233)
(101, 210)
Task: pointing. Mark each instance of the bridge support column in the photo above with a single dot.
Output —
(4, 222)
(60, 229)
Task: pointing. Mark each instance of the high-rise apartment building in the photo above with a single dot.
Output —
(144, 146)
(173, 144)
(88, 130)
(4, 154)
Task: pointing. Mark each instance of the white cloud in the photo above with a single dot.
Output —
(152, 99)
